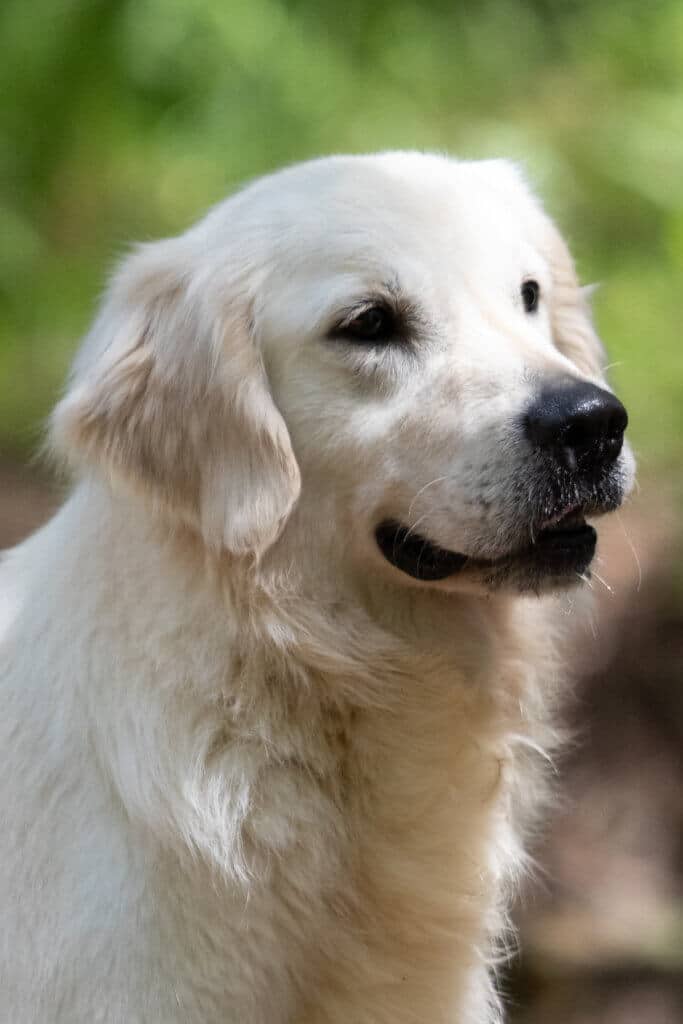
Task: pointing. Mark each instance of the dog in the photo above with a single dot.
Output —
(279, 677)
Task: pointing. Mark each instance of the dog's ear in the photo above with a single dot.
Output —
(169, 396)
(571, 318)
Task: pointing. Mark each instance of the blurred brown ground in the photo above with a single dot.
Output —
(602, 937)
(601, 929)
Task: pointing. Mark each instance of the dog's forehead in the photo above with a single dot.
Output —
(393, 211)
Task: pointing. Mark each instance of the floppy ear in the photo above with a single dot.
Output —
(169, 397)
(571, 318)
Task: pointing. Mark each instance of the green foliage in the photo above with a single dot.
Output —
(124, 120)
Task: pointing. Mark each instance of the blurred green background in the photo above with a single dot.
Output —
(123, 121)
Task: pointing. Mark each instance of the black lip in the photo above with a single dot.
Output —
(570, 538)
(415, 555)
(556, 551)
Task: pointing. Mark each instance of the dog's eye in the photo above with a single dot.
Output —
(531, 293)
(374, 325)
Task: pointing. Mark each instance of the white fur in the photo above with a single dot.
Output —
(251, 773)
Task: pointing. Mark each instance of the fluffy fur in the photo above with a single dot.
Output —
(251, 772)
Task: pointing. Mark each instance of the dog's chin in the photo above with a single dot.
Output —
(558, 557)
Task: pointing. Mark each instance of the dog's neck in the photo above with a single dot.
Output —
(311, 611)
(281, 646)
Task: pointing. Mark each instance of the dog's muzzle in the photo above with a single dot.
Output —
(574, 434)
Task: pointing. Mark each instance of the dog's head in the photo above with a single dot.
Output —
(396, 345)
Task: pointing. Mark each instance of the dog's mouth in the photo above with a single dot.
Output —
(563, 546)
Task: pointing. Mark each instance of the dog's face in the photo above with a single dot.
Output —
(432, 355)
(398, 343)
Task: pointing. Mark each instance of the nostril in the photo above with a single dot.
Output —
(617, 423)
(541, 429)
(580, 433)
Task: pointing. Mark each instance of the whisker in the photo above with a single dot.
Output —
(585, 579)
(604, 582)
(411, 529)
(591, 618)
(526, 741)
(633, 552)
(431, 483)
(419, 557)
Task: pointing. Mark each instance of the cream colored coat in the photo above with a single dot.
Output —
(251, 774)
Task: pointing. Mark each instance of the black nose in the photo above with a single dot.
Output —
(580, 424)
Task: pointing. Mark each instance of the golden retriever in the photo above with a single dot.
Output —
(277, 679)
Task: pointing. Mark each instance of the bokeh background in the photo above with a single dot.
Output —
(123, 121)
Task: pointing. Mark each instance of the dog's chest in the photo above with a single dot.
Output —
(368, 847)
(394, 820)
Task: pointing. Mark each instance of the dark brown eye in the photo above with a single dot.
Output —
(376, 325)
(531, 293)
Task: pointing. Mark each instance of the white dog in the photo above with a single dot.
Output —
(275, 678)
